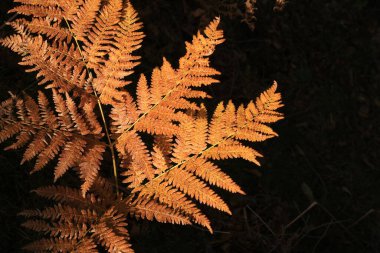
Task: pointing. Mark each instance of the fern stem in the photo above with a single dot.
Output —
(110, 144)
(9, 20)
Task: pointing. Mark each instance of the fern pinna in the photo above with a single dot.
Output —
(83, 52)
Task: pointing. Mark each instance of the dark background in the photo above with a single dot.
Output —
(318, 189)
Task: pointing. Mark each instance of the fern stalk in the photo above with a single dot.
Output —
(110, 144)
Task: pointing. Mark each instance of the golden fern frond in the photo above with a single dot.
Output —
(192, 137)
(169, 87)
(189, 172)
(127, 38)
(159, 107)
(212, 174)
(90, 43)
(233, 149)
(39, 11)
(117, 35)
(159, 160)
(152, 210)
(164, 193)
(99, 221)
(139, 167)
(46, 3)
(85, 18)
(101, 194)
(48, 27)
(110, 231)
(194, 69)
(164, 144)
(58, 10)
(195, 188)
(78, 224)
(61, 245)
(58, 64)
(67, 132)
(97, 43)
(90, 165)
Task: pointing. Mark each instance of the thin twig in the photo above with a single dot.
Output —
(362, 218)
(322, 236)
(9, 20)
(206, 230)
(301, 214)
(262, 221)
(315, 203)
(342, 226)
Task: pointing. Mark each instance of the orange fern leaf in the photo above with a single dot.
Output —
(189, 171)
(78, 224)
(140, 166)
(168, 195)
(82, 35)
(66, 132)
(159, 106)
(59, 64)
(151, 210)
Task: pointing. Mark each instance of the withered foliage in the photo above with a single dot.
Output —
(83, 52)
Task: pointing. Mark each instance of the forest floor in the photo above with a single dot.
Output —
(318, 189)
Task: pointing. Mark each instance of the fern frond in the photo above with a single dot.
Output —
(39, 11)
(97, 42)
(59, 9)
(195, 188)
(69, 156)
(190, 172)
(212, 174)
(194, 67)
(67, 132)
(46, 3)
(140, 166)
(164, 193)
(168, 89)
(144, 101)
(164, 144)
(159, 106)
(101, 30)
(158, 160)
(119, 42)
(123, 115)
(48, 27)
(77, 222)
(51, 245)
(90, 165)
(151, 210)
(66, 195)
(192, 137)
(59, 64)
(110, 231)
(37, 225)
(85, 18)
(232, 149)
